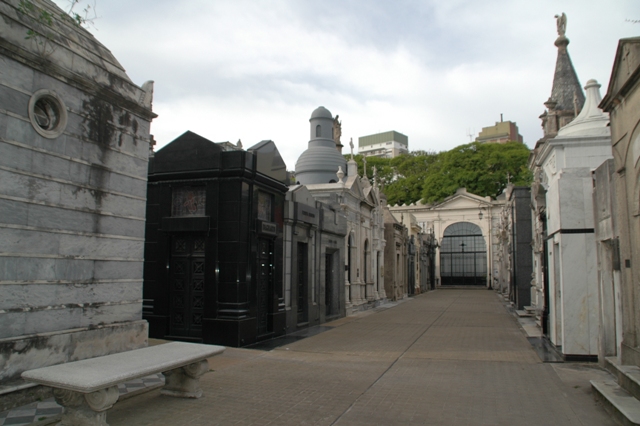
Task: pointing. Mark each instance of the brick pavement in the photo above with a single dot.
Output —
(448, 357)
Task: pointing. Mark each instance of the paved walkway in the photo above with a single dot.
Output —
(448, 357)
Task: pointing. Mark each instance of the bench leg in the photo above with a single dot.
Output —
(86, 409)
(184, 382)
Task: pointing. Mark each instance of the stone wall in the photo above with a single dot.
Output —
(74, 144)
(623, 103)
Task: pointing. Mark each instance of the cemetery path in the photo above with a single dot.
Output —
(447, 357)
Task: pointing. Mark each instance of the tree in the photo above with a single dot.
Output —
(483, 168)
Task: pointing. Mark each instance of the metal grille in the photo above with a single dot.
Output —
(463, 255)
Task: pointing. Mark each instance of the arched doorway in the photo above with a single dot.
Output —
(463, 255)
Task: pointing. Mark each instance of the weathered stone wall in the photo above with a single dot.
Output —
(72, 199)
(623, 103)
(322, 227)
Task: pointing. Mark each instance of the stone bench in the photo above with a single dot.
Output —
(88, 388)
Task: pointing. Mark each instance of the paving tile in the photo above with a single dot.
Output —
(447, 357)
(42, 410)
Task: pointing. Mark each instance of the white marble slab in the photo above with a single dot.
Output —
(93, 374)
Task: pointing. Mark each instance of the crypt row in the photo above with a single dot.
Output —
(236, 253)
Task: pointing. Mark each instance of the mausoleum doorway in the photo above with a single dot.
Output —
(463, 255)
(186, 284)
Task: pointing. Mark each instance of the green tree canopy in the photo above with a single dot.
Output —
(484, 169)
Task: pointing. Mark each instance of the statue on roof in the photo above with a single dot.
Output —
(561, 23)
(337, 130)
(375, 176)
(351, 145)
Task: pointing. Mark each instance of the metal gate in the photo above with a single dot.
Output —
(463, 255)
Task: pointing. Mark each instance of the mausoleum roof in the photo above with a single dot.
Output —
(591, 121)
(321, 112)
(64, 48)
(320, 162)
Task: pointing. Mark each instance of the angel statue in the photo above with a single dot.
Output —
(561, 23)
(337, 130)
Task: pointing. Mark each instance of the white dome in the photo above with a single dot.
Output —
(591, 121)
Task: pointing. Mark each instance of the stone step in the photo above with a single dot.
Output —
(523, 313)
(530, 309)
(628, 376)
(618, 402)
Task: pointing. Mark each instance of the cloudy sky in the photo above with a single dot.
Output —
(436, 71)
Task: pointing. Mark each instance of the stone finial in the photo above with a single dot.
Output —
(340, 174)
(146, 97)
(550, 104)
(152, 143)
(352, 168)
(239, 144)
(351, 145)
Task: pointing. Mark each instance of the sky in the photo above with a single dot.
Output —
(436, 71)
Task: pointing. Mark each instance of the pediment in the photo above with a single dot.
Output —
(625, 66)
(462, 201)
(355, 187)
(627, 61)
(301, 194)
(188, 152)
(370, 195)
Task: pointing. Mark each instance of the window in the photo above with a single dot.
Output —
(264, 206)
(318, 131)
(47, 113)
(188, 201)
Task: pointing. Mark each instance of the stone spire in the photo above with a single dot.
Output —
(567, 97)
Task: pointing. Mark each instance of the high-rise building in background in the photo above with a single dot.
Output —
(387, 145)
(502, 132)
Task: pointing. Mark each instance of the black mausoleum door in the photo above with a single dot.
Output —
(186, 286)
(265, 284)
(331, 294)
(303, 283)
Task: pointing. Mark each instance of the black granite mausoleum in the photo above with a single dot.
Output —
(213, 252)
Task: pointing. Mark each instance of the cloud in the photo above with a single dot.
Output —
(432, 70)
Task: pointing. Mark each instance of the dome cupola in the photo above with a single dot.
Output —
(320, 162)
